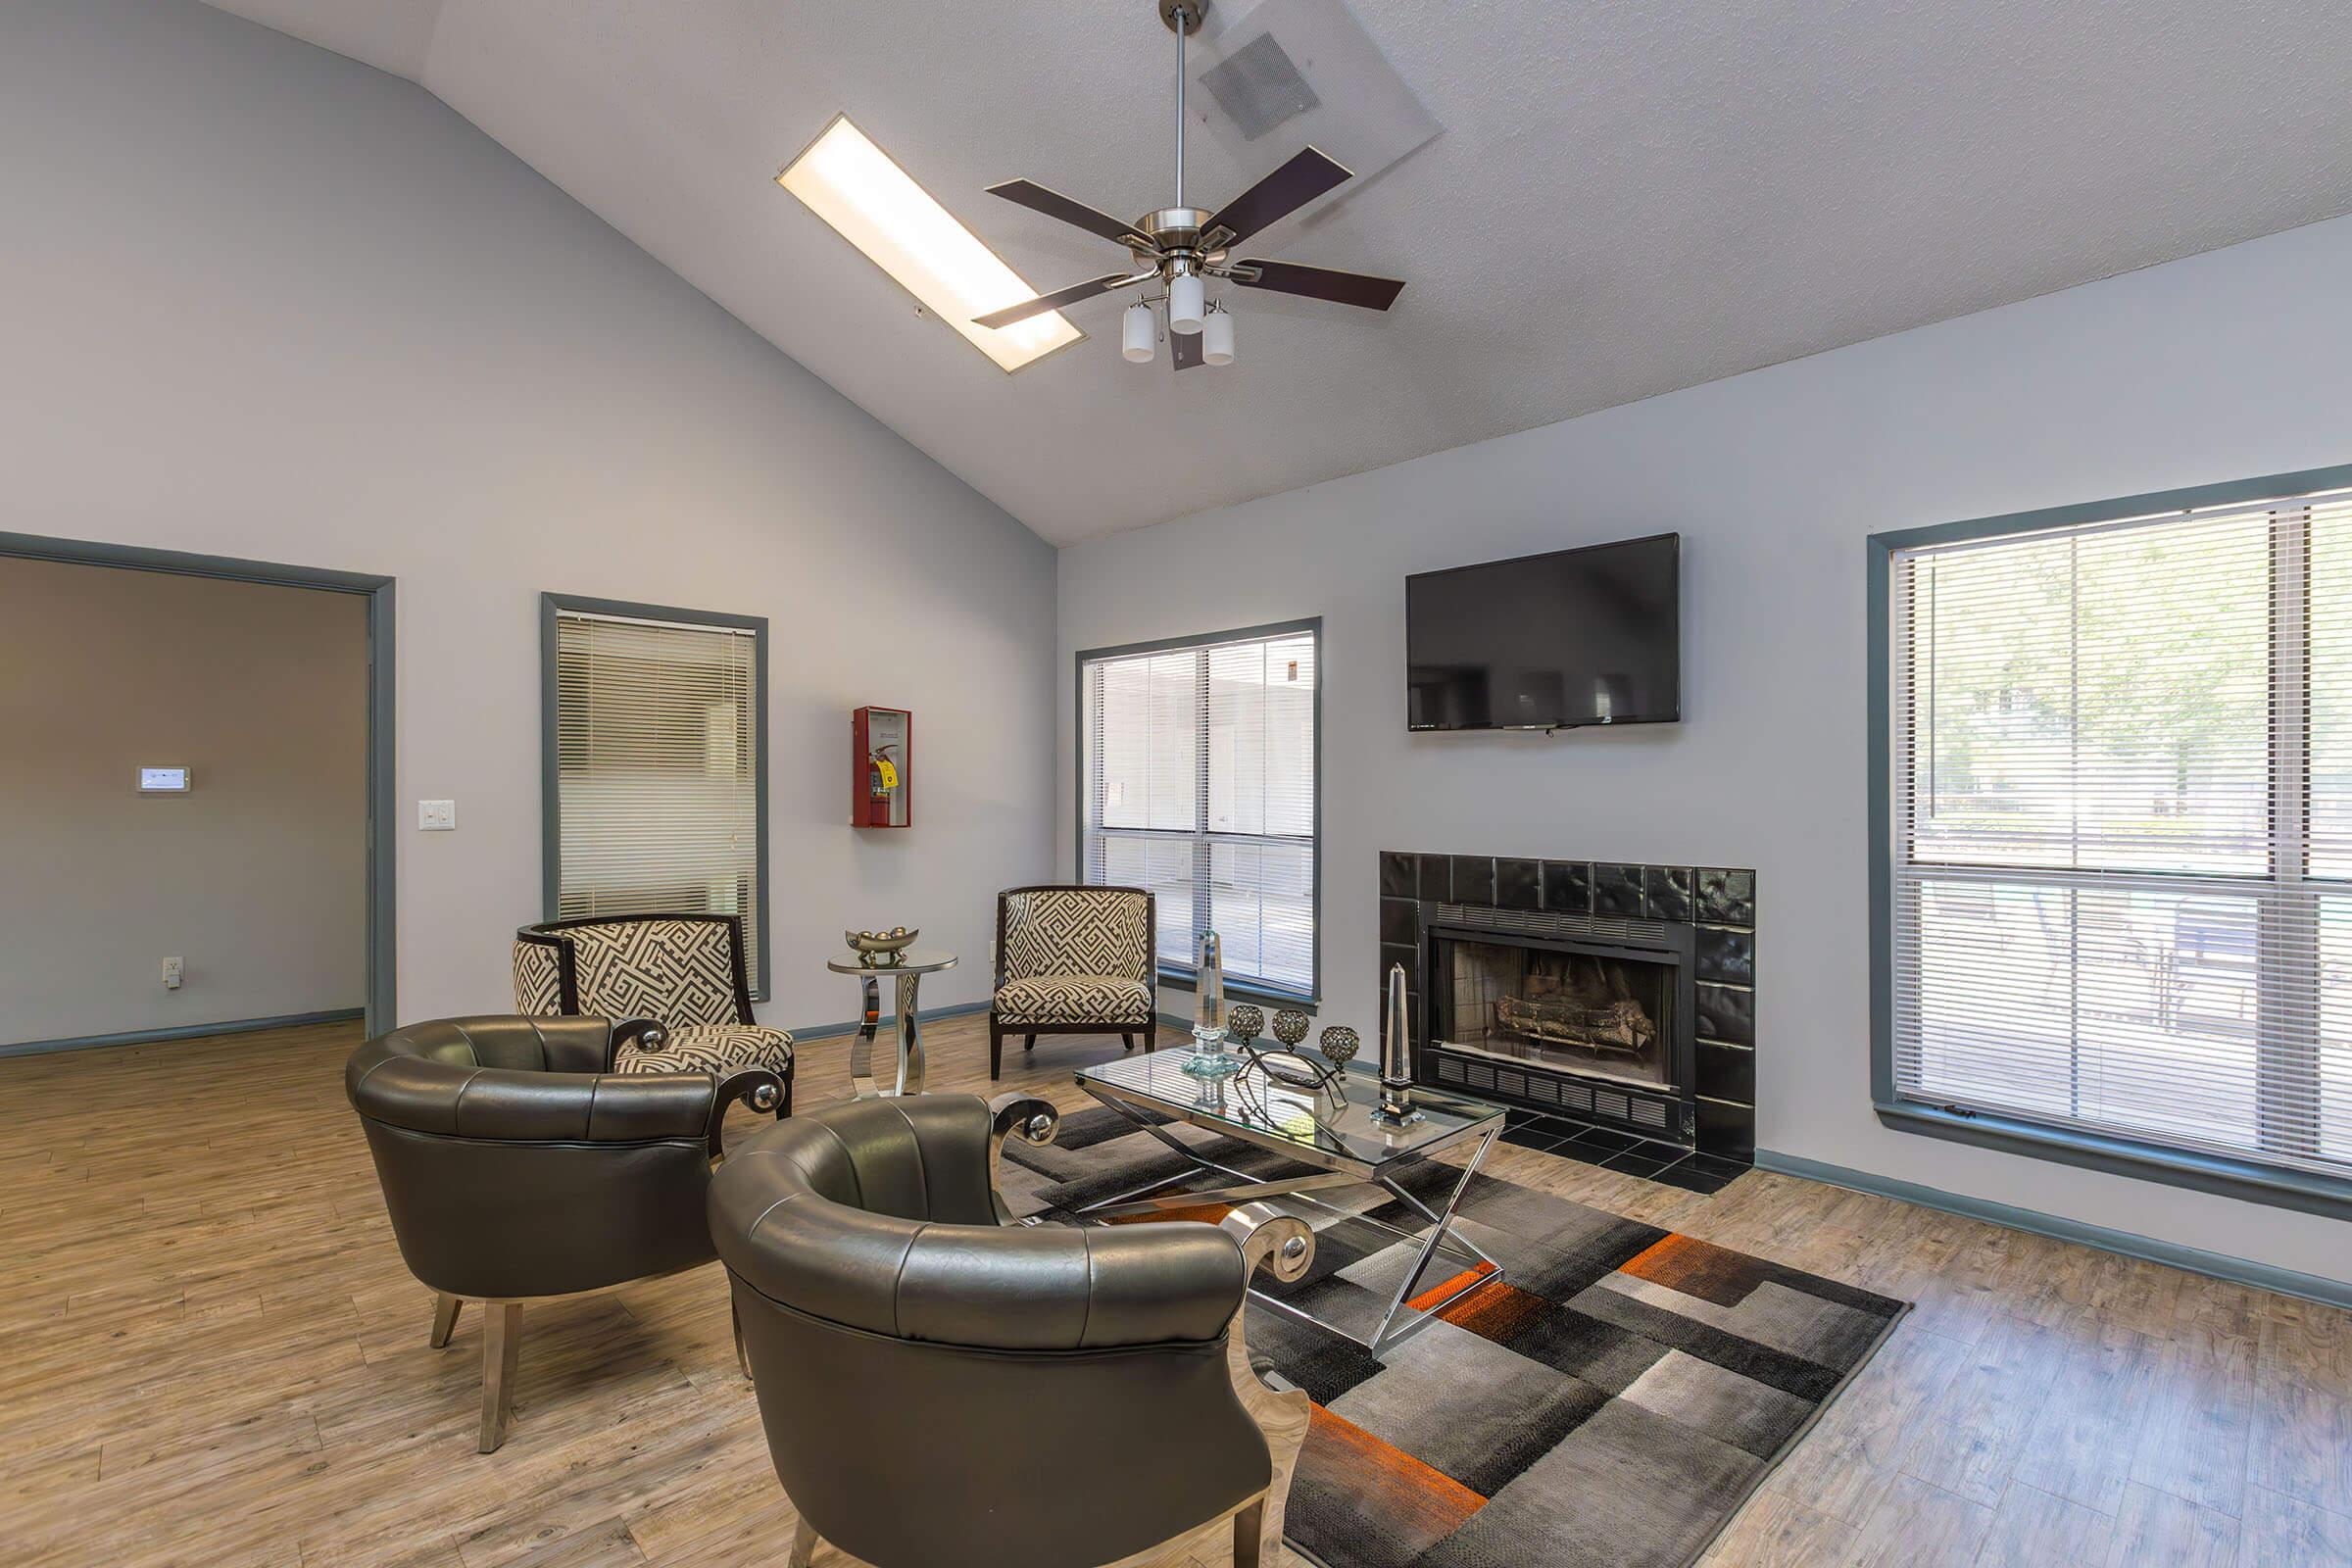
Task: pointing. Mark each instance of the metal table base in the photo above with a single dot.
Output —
(1441, 1235)
(907, 1026)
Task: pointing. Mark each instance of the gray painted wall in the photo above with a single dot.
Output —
(257, 877)
(261, 301)
(2225, 365)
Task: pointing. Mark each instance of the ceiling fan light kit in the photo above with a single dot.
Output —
(1180, 248)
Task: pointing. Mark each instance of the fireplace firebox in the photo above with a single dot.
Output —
(1590, 1016)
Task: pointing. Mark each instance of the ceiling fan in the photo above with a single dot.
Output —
(1179, 246)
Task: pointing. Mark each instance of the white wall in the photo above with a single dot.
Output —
(2226, 366)
(257, 877)
(260, 301)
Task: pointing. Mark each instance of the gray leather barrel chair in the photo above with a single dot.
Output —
(875, 1281)
(518, 1166)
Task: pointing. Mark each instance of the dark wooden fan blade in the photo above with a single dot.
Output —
(1060, 297)
(1323, 283)
(1054, 204)
(1184, 350)
(1278, 195)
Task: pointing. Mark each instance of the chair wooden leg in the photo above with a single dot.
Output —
(502, 1347)
(996, 1054)
(445, 1318)
(1152, 1037)
(1248, 1537)
(1028, 1041)
(804, 1543)
(1127, 1042)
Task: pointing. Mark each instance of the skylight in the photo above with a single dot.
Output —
(876, 206)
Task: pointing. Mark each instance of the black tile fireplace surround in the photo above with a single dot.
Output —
(1613, 995)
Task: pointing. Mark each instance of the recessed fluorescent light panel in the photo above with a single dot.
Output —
(876, 206)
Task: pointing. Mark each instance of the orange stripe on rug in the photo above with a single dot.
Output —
(1387, 1482)
(1696, 1268)
(1438, 1293)
(1498, 1311)
(1205, 1213)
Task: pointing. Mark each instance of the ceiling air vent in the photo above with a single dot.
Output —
(1258, 88)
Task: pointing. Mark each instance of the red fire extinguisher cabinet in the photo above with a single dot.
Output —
(881, 767)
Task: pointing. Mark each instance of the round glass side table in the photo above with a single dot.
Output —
(908, 970)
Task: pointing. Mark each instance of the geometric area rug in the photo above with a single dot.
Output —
(1610, 1403)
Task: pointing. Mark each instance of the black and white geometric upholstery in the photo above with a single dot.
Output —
(719, 1047)
(538, 979)
(682, 972)
(1074, 998)
(1090, 931)
(1073, 960)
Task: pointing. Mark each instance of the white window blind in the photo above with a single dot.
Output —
(2123, 828)
(657, 770)
(1197, 780)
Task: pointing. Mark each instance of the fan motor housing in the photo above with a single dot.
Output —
(1176, 229)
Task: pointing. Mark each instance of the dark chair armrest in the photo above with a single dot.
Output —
(500, 1104)
(755, 1087)
(646, 1033)
(1015, 1114)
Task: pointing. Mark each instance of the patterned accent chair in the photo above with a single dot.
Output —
(1073, 960)
(682, 974)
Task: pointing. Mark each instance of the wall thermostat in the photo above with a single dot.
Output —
(162, 781)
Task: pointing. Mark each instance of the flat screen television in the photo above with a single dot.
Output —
(1585, 636)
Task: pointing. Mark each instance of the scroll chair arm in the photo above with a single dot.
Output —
(755, 1087)
(1285, 1246)
(1016, 1114)
(647, 1033)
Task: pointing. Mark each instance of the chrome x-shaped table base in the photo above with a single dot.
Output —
(1440, 1237)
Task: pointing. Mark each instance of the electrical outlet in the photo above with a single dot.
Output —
(173, 970)
(437, 817)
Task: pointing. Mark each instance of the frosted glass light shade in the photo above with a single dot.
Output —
(1186, 303)
(1216, 338)
(1137, 332)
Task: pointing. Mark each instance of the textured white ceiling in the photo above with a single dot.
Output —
(1630, 196)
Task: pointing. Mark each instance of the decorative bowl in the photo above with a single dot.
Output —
(882, 947)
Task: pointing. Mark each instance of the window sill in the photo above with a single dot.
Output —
(1244, 991)
(2306, 1191)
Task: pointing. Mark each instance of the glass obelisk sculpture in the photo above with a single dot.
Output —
(1395, 1059)
(1209, 1057)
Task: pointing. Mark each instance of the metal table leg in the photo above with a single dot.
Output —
(910, 1038)
(862, 1048)
(1388, 1333)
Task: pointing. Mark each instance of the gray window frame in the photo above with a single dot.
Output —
(1182, 973)
(2310, 1191)
(551, 806)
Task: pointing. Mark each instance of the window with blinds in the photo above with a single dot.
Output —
(1197, 779)
(657, 768)
(2122, 819)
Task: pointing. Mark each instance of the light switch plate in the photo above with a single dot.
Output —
(437, 817)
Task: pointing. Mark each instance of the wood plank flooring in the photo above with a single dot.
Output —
(214, 1357)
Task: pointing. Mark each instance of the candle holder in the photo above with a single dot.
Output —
(1209, 1060)
(1396, 1107)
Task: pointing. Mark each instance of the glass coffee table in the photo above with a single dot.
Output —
(1332, 1131)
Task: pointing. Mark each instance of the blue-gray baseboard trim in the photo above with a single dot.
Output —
(889, 1021)
(191, 1031)
(2195, 1259)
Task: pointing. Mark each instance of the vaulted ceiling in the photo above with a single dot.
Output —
(1627, 196)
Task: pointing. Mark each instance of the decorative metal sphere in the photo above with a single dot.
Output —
(1244, 1023)
(1290, 1026)
(1340, 1043)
